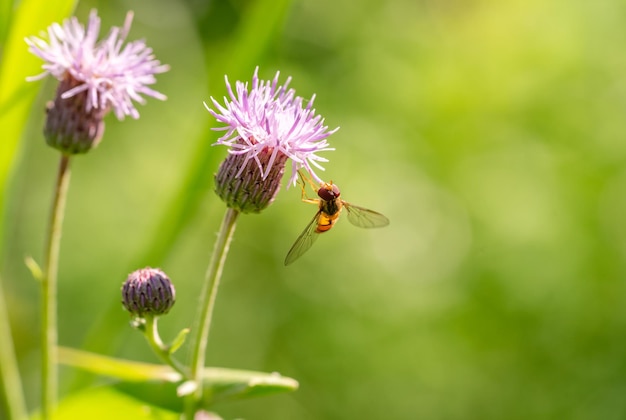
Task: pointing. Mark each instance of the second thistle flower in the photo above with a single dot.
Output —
(95, 77)
(266, 125)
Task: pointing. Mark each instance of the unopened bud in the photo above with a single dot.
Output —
(148, 292)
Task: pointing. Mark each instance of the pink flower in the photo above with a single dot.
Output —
(269, 124)
(112, 74)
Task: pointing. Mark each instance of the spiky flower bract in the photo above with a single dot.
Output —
(95, 78)
(148, 291)
(266, 124)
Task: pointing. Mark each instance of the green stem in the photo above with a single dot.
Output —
(49, 369)
(162, 351)
(211, 283)
(10, 381)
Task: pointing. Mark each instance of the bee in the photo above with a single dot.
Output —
(329, 208)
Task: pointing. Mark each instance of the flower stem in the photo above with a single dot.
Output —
(49, 369)
(211, 283)
(9, 374)
(162, 351)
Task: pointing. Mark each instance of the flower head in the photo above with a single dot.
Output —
(96, 77)
(148, 291)
(265, 126)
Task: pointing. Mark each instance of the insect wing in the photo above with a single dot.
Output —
(365, 218)
(304, 241)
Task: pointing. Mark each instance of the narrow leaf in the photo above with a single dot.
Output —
(34, 268)
(158, 384)
(179, 340)
(126, 370)
(220, 384)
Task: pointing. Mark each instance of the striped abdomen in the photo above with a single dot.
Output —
(329, 213)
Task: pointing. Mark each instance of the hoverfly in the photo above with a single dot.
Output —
(330, 206)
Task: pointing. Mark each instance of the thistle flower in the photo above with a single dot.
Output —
(265, 126)
(148, 291)
(95, 78)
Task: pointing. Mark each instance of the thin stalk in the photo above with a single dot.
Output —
(9, 372)
(49, 368)
(162, 350)
(211, 283)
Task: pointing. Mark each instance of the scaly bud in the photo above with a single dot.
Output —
(148, 291)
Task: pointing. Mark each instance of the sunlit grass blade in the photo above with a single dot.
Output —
(10, 382)
(5, 18)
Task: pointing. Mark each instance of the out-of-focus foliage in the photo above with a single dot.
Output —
(491, 133)
(16, 96)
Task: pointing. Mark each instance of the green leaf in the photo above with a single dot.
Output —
(221, 384)
(126, 370)
(105, 403)
(5, 18)
(179, 340)
(34, 268)
(157, 384)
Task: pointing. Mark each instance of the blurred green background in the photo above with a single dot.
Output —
(491, 133)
